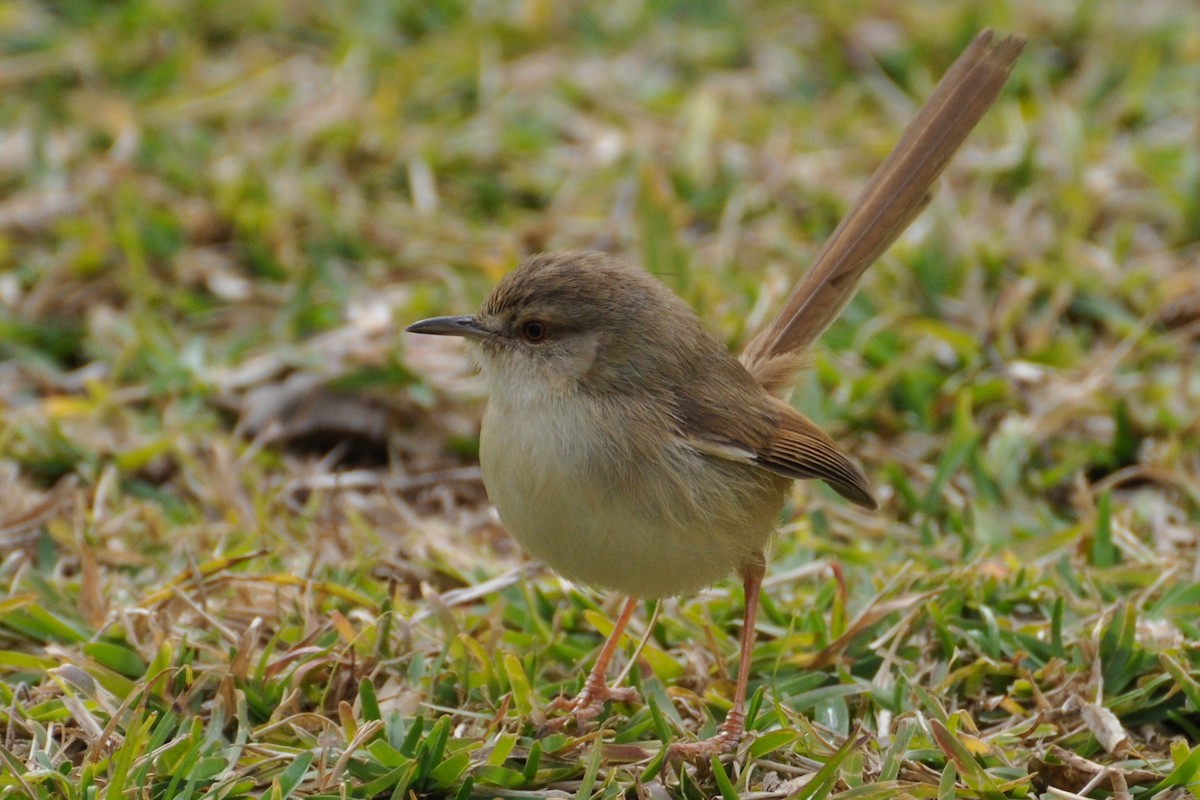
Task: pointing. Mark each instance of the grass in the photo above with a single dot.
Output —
(244, 546)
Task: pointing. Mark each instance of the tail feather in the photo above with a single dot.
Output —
(893, 198)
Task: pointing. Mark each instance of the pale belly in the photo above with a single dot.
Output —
(615, 522)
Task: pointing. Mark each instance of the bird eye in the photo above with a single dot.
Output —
(535, 331)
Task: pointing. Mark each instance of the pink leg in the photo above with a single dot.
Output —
(730, 732)
(596, 690)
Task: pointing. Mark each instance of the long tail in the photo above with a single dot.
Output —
(896, 194)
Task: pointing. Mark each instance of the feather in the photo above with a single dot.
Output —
(895, 195)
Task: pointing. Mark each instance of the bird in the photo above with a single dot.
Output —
(624, 446)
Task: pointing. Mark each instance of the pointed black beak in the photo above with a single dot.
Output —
(468, 327)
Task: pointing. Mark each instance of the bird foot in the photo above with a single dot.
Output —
(587, 705)
(725, 741)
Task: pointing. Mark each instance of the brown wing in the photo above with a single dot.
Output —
(768, 433)
(802, 450)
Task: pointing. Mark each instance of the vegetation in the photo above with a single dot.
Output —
(244, 546)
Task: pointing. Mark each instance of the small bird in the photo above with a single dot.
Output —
(627, 448)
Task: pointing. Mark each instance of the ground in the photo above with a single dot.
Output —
(245, 549)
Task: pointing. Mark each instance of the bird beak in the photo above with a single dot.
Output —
(467, 327)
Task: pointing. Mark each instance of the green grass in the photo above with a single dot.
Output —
(216, 216)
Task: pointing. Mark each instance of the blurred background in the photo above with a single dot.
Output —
(215, 218)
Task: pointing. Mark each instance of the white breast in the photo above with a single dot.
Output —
(611, 511)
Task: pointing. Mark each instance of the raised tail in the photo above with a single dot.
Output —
(896, 194)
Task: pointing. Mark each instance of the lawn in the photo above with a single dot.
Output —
(245, 548)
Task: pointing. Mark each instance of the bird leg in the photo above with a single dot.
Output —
(596, 691)
(731, 730)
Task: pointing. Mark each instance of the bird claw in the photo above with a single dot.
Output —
(587, 705)
(725, 741)
(702, 752)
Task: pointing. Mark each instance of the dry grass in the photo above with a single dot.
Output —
(245, 547)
